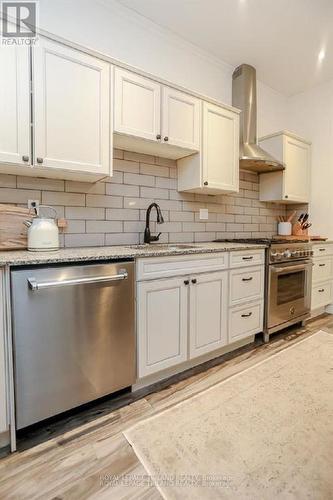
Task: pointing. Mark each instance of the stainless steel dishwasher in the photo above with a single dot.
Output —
(74, 336)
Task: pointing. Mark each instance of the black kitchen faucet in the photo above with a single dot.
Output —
(148, 238)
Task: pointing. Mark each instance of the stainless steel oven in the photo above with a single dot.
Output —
(288, 293)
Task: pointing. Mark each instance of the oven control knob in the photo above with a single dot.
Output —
(295, 253)
(287, 254)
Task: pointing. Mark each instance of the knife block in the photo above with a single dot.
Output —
(298, 231)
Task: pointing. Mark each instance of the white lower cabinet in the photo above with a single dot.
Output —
(3, 404)
(245, 320)
(162, 324)
(208, 312)
(186, 316)
(322, 276)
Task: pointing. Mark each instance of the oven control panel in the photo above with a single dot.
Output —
(293, 251)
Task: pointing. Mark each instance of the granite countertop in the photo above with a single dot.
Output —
(23, 257)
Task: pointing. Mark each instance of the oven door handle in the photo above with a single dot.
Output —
(288, 269)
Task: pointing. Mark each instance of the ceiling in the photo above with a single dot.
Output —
(281, 38)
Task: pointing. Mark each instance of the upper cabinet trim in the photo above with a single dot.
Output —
(289, 134)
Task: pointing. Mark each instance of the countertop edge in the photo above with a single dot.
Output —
(71, 255)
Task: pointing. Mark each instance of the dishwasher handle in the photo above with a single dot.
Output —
(34, 285)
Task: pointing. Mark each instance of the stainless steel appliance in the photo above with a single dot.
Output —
(287, 282)
(288, 287)
(74, 336)
(244, 97)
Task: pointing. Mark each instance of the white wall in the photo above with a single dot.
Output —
(310, 114)
(108, 27)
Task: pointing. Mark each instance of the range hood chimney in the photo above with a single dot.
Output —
(244, 97)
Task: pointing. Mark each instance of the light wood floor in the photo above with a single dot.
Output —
(82, 463)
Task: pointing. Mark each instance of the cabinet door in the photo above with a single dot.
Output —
(3, 402)
(72, 109)
(208, 312)
(180, 119)
(137, 104)
(15, 105)
(161, 324)
(220, 148)
(297, 157)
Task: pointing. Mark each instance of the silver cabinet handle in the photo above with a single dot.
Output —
(34, 285)
(25, 158)
(247, 315)
(248, 279)
(248, 258)
(39, 160)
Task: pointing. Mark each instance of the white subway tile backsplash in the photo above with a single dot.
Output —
(122, 214)
(96, 200)
(148, 169)
(104, 226)
(84, 240)
(70, 199)
(38, 183)
(85, 213)
(113, 211)
(8, 195)
(84, 187)
(139, 179)
(148, 192)
(122, 190)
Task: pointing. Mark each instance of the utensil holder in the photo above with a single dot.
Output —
(284, 228)
(298, 231)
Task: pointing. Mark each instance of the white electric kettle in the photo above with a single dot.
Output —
(43, 232)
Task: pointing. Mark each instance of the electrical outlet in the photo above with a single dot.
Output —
(203, 215)
(34, 204)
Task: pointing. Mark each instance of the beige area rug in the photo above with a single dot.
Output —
(265, 433)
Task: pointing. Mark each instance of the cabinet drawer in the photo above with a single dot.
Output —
(246, 285)
(322, 250)
(247, 258)
(322, 269)
(162, 267)
(321, 295)
(245, 321)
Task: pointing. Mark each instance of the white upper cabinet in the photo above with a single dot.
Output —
(15, 105)
(181, 119)
(137, 105)
(154, 119)
(208, 312)
(293, 184)
(220, 148)
(71, 109)
(216, 169)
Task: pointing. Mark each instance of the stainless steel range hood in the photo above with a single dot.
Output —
(244, 97)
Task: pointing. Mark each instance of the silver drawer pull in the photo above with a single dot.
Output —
(247, 315)
(34, 285)
(248, 258)
(248, 279)
(322, 265)
(322, 249)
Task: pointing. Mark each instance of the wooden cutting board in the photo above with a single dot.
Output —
(309, 237)
(13, 233)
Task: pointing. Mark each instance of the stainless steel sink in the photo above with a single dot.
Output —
(161, 246)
